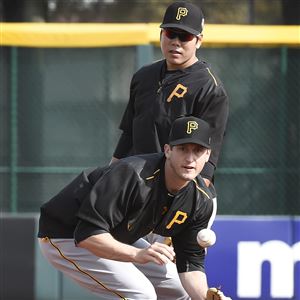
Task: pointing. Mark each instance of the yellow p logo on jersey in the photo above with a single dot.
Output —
(179, 218)
(181, 12)
(179, 91)
(191, 125)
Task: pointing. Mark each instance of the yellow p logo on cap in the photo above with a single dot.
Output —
(181, 12)
(191, 125)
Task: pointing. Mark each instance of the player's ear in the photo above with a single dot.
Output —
(199, 41)
(208, 151)
(167, 150)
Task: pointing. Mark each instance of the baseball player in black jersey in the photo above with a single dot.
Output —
(93, 229)
(178, 85)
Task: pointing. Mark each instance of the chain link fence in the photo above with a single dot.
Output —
(60, 110)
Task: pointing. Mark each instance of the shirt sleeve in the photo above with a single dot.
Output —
(214, 109)
(124, 146)
(125, 143)
(208, 170)
(108, 202)
(190, 256)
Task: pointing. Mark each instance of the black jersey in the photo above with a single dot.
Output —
(129, 199)
(158, 97)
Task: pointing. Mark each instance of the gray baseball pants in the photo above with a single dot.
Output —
(110, 279)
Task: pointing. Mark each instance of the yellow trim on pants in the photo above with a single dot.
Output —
(46, 239)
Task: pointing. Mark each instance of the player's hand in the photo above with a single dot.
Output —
(113, 159)
(216, 294)
(157, 253)
(207, 182)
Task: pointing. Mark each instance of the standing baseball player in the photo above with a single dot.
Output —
(92, 230)
(180, 84)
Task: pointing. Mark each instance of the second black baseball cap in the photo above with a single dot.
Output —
(190, 130)
(185, 16)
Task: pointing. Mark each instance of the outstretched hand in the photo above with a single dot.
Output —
(157, 253)
(216, 294)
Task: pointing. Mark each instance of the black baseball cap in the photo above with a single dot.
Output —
(190, 130)
(185, 16)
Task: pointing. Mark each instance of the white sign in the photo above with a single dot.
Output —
(282, 258)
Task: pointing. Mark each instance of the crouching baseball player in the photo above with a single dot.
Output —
(93, 229)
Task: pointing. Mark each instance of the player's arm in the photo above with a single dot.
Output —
(125, 143)
(207, 182)
(214, 109)
(104, 245)
(193, 277)
(195, 284)
(104, 209)
(123, 147)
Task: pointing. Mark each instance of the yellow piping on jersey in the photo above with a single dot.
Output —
(151, 177)
(82, 271)
(201, 190)
(210, 73)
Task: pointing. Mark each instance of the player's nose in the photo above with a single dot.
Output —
(189, 156)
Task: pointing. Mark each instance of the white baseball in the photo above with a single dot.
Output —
(206, 238)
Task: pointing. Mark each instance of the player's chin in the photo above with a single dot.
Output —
(189, 175)
(175, 59)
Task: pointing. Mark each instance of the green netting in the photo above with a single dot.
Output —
(60, 109)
